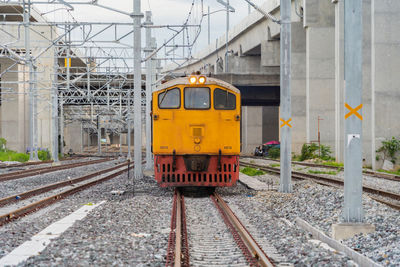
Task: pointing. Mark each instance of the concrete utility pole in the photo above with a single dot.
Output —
(137, 16)
(228, 9)
(286, 111)
(153, 65)
(35, 114)
(226, 37)
(61, 122)
(82, 136)
(98, 135)
(353, 213)
(208, 25)
(68, 63)
(54, 110)
(28, 59)
(120, 126)
(149, 75)
(353, 41)
(128, 124)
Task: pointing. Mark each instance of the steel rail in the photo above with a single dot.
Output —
(250, 248)
(178, 231)
(185, 243)
(32, 163)
(178, 246)
(382, 175)
(37, 171)
(37, 191)
(172, 235)
(329, 181)
(387, 176)
(6, 218)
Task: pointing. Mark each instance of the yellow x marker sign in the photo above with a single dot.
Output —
(286, 122)
(353, 111)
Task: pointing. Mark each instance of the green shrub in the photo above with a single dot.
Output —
(390, 172)
(10, 155)
(311, 151)
(389, 149)
(326, 152)
(3, 143)
(296, 157)
(251, 171)
(332, 163)
(44, 155)
(323, 172)
(21, 157)
(307, 151)
(274, 152)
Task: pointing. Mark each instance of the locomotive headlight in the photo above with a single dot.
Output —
(193, 79)
(202, 80)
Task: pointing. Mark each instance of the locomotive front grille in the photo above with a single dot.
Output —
(181, 176)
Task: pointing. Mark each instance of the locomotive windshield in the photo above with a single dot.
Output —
(224, 100)
(170, 99)
(197, 98)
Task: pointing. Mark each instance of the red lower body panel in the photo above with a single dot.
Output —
(223, 172)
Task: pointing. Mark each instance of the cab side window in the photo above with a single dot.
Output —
(170, 98)
(224, 99)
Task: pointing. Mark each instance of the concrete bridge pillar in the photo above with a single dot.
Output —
(14, 106)
(319, 23)
(270, 53)
(73, 137)
(252, 124)
(299, 133)
(385, 78)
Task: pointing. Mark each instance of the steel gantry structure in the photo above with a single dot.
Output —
(90, 72)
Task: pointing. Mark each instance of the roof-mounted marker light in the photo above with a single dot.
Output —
(202, 80)
(193, 79)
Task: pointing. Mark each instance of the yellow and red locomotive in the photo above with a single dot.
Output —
(196, 132)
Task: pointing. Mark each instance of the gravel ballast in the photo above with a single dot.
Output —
(321, 206)
(13, 187)
(129, 229)
(132, 229)
(368, 180)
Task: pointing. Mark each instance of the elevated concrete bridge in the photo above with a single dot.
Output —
(318, 81)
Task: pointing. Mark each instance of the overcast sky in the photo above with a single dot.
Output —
(164, 12)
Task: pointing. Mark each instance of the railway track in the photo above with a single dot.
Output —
(210, 245)
(32, 163)
(36, 171)
(389, 198)
(78, 184)
(381, 175)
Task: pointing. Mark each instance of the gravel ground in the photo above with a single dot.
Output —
(321, 206)
(263, 216)
(131, 229)
(24, 184)
(368, 180)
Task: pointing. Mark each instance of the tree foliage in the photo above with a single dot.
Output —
(390, 148)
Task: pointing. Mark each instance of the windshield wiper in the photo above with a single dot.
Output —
(165, 93)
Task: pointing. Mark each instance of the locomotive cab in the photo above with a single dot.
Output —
(196, 132)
